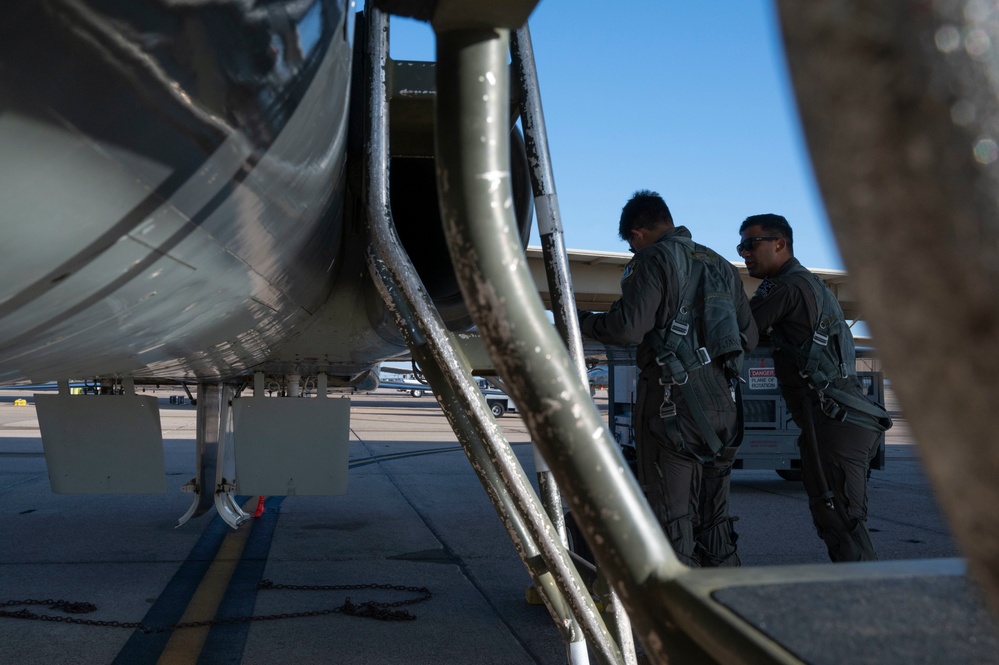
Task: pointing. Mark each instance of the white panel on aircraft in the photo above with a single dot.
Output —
(287, 446)
(102, 444)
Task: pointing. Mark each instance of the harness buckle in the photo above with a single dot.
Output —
(703, 356)
(820, 338)
(667, 410)
(674, 382)
(680, 329)
(832, 409)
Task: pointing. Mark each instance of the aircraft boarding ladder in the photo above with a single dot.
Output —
(772, 615)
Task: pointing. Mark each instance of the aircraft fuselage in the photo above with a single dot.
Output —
(173, 183)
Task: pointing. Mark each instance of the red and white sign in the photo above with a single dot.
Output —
(762, 378)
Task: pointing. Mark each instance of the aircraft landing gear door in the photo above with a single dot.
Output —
(102, 444)
(287, 446)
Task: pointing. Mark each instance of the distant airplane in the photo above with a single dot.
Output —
(257, 199)
(402, 380)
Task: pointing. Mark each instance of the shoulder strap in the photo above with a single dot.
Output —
(821, 365)
(815, 359)
(822, 372)
(672, 353)
(677, 357)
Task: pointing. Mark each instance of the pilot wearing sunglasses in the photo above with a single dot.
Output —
(814, 360)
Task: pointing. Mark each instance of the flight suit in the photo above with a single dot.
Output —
(686, 485)
(786, 303)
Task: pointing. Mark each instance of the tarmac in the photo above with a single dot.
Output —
(414, 531)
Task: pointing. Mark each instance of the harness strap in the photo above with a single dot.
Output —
(815, 356)
(708, 432)
(844, 406)
(818, 351)
(820, 365)
(673, 355)
(676, 361)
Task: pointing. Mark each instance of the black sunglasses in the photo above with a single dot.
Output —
(749, 244)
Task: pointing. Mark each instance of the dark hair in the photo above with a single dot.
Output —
(645, 210)
(772, 225)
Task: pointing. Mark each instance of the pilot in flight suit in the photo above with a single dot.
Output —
(685, 481)
(840, 428)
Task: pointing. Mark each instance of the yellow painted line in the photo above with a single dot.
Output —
(184, 646)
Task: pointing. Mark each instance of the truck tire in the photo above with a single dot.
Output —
(416, 392)
(497, 408)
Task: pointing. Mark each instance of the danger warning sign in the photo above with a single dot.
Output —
(762, 378)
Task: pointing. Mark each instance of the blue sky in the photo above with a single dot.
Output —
(688, 99)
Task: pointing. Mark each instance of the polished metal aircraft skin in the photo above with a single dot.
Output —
(173, 184)
(175, 195)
